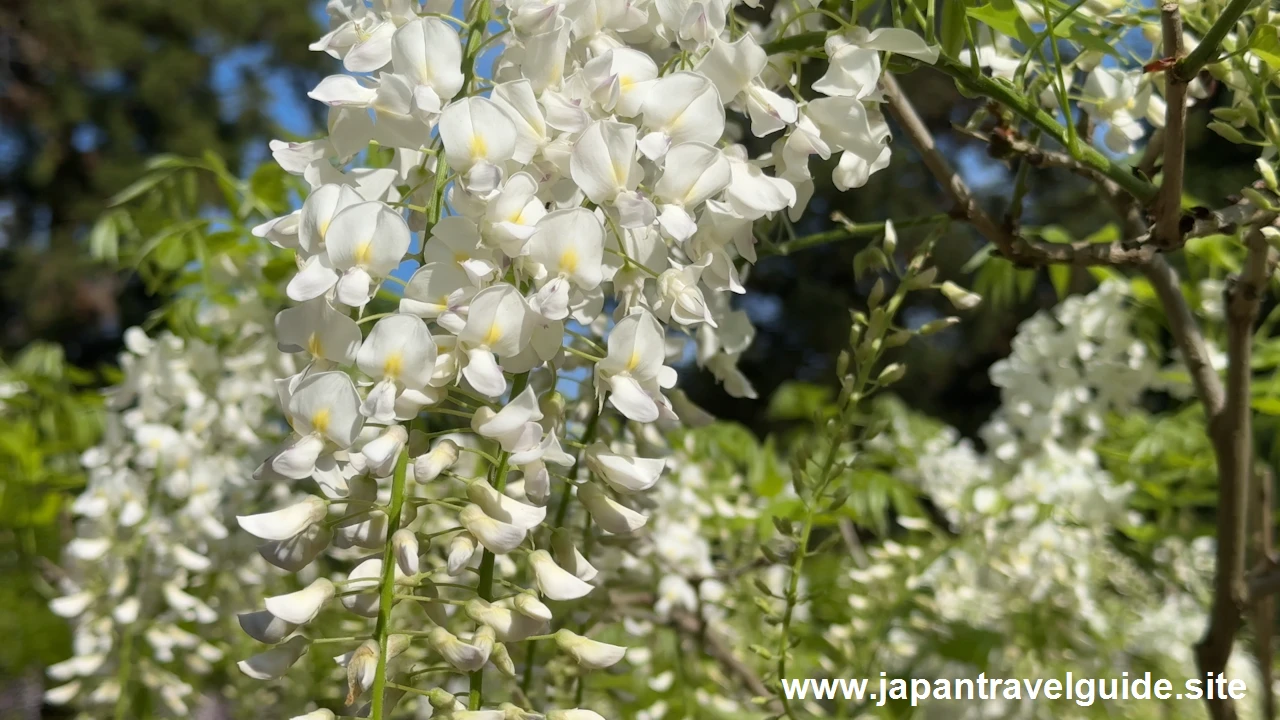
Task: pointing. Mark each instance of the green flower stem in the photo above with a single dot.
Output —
(387, 585)
(562, 512)
(848, 232)
(1188, 67)
(484, 586)
(812, 507)
(1006, 94)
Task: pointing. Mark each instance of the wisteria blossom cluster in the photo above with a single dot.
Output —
(567, 213)
(1031, 532)
(156, 567)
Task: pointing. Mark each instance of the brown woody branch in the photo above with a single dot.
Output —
(1263, 609)
(690, 624)
(1232, 435)
(1187, 336)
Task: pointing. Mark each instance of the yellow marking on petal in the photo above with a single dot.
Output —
(569, 261)
(324, 228)
(493, 336)
(634, 361)
(478, 147)
(625, 81)
(393, 365)
(364, 252)
(320, 420)
(458, 257)
(314, 346)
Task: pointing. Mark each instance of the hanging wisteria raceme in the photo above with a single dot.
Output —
(561, 180)
(156, 566)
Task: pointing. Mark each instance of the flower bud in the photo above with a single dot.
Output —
(441, 457)
(609, 514)
(496, 536)
(530, 606)
(460, 655)
(938, 325)
(552, 406)
(301, 607)
(921, 280)
(381, 453)
(483, 640)
(461, 549)
(589, 653)
(508, 626)
(501, 659)
(362, 667)
(1268, 173)
(890, 242)
(404, 545)
(505, 508)
(892, 374)
(554, 581)
(962, 299)
(441, 699)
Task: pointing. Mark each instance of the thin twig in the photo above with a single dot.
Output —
(1017, 249)
(1168, 209)
(1186, 335)
(1207, 50)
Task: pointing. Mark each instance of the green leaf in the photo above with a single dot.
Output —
(1267, 405)
(1265, 43)
(104, 239)
(953, 20)
(1003, 17)
(140, 186)
(1056, 234)
(268, 185)
(1060, 276)
(798, 401)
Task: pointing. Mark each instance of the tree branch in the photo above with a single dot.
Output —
(1264, 609)
(847, 231)
(1030, 110)
(1188, 67)
(1018, 249)
(1232, 435)
(717, 650)
(1168, 209)
(905, 113)
(1186, 335)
